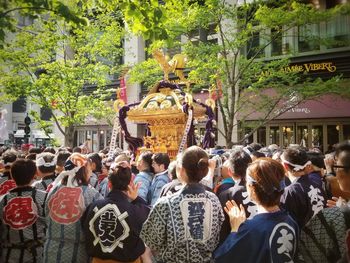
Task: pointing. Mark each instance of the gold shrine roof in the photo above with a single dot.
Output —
(165, 104)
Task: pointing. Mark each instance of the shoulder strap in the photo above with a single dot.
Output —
(320, 247)
(332, 235)
(44, 184)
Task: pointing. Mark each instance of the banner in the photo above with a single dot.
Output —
(123, 90)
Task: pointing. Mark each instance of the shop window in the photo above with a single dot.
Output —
(248, 139)
(302, 136)
(102, 135)
(81, 137)
(274, 135)
(317, 137)
(288, 135)
(45, 114)
(94, 143)
(346, 132)
(308, 38)
(337, 31)
(332, 136)
(20, 105)
(253, 46)
(262, 135)
(108, 137)
(276, 42)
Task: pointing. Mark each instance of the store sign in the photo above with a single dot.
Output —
(307, 67)
(304, 110)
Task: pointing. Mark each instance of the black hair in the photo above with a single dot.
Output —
(76, 150)
(62, 157)
(147, 159)
(48, 158)
(195, 161)
(161, 158)
(31, 156)
(97, 160)
(23, 171)
(9, 157)
(79, 177)
(295, 155)
(239, 161)
(258, 154)
(120, 178)
(50, 150)
(255, 146)
(316, 158)
(35, 150)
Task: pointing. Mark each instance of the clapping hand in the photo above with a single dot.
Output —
(236, 214)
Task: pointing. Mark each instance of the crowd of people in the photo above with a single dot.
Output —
(245, 204)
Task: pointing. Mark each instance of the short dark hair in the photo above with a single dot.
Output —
(161, 158)
(195, 161)
(50, 150)
(9, 157)
(239, 161)
(267, 174)
(62, 157)
(97, 160)
(31, 156)
(316, 158)
(35, 150)
(23, 171)
(147, 159)
(258, 154)
(255, 146)
(295, 155)
(120, 178)
(48, 158)
(76, 150)
(344, 147)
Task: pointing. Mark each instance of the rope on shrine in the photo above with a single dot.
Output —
(187, 129)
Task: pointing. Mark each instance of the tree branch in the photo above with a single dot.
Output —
(26, 7)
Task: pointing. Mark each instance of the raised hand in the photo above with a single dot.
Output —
(133, 190)
(236, 214)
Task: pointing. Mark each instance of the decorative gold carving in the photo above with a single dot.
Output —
(162, 109)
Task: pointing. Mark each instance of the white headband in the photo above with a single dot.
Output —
(297, 167)
(41, 162)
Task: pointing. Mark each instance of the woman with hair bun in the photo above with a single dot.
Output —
(272, 234)
(185, 226)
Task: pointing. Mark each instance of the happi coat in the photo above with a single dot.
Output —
(185, 226)
(267, 237)
(112, 227)
(64, 208)
(22, 225)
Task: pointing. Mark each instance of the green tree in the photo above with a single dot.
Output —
(235, 63)
(32, 8)
(64, 67)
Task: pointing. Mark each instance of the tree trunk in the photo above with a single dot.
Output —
(69, 138)
(228, 137)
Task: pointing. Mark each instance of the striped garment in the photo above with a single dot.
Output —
(64, 208)
(22, 225)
